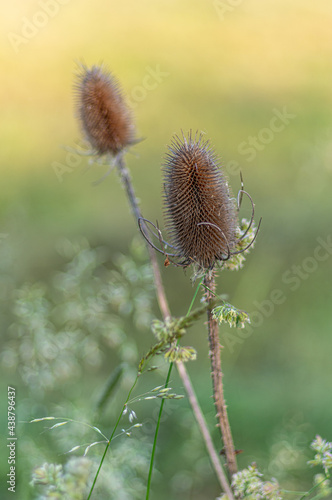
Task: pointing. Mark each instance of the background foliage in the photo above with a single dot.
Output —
(63, 241)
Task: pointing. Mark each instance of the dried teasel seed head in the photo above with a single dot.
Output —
(104, 116)
(201, 216)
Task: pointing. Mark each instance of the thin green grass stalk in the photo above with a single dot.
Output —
(162, 405)
(305, 495)
(156, 434)
(121, 413)
(111, 437)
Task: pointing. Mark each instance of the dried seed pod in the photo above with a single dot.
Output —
(105, 119)
(199, 211)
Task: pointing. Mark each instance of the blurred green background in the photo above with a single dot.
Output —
(227, 69)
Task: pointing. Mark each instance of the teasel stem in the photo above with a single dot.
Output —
(165, 311)
(205, 431)
(217, 376)
(107, 125)
(126, 180)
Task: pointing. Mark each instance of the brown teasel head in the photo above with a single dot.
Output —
(104, 116)
(200, 213)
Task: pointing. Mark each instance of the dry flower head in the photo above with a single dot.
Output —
(200, 212)
(104, 116)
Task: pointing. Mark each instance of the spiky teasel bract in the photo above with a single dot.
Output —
(200, 213)
(104, 116)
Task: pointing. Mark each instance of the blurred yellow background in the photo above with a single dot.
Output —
(226, 68)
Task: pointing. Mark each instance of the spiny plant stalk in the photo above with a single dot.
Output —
(201, 220)
(165, 311)
(217, 375)
(107, 125)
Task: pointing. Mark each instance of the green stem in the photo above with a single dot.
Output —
(313, 488)
(290, 492)
(322, 494)
(162, 406)
(111, 437)
(156, 435)
(195, 295)
(212, 292)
